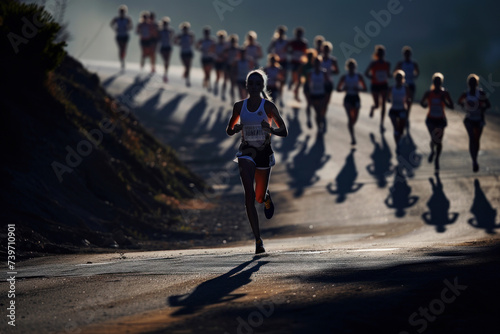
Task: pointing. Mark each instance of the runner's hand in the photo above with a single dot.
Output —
(237, 128)
(266, 127)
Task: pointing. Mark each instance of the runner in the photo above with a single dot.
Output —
(297, 49)
(436, 99)
(220, 62)
(475, 102)
(166, 41)
(278, 46)
(378, 72)
(207, 47)
(318, 42)
(352, 83)
(412, 71)
(122, 24)
(400, 97)
(145, 32)
(185, 40)
(274, 76)
(155, 37)
(318, 79)
(331, 67)
(232, 54)
(243, 66)
(253, 49)
(305, 68)
(255, 156)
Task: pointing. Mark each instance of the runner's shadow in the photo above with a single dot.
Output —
(305, 165)
(293, 126)
(399, 197)
(346, 179)
(217, 290)
(130, 93)
(194, 116)
(381, 167)
(408, 158)
(484, 214)
(438, 206)
(106, 83)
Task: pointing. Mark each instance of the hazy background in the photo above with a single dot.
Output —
(455, 37)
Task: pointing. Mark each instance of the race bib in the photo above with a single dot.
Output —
(253, 133)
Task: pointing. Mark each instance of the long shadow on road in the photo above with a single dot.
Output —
(439, 205)
(217, 290)
(381, 167)
(484, 214)
(346, 179)
(443, 294)
(306, 164)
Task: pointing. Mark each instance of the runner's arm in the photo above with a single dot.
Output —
(273, 112)
(232, 126)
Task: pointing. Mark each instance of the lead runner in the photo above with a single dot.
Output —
(255, 157)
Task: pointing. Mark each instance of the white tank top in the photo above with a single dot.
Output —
(185, 43)
(408, 68)
(122, 26)
(166, 37)
(206, 45)
(144, 31)
(398, 98)
(280, 48)
(317, 83)
(327, 64)
(252, 52)
(272, 76)
(351, 84)
(219, 50)
(472, 104)
(232, 53)
(252, 131)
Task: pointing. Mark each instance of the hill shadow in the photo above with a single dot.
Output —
(346, 179)
(217, 290)
(484, 214)
(400, 197)
(381, 167)
(439, 205)
(305, 165)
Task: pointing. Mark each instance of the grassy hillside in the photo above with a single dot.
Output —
(78, 170)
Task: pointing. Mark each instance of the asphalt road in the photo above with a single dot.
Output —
(362, 239)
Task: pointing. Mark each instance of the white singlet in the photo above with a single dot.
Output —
(398, 98)
(351, 84)
(251, 121)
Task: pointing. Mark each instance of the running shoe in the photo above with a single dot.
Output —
(475, 167)
(268, 206)
(259, 247)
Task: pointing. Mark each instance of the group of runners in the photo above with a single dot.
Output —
(238, 68)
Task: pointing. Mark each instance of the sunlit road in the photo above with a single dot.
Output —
(351, 225)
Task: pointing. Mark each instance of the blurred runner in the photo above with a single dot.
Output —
(122, 24)
(475, 102)
(185, 39)
(436, 99)
(379, 72)
(166, 40)
(352, 83)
